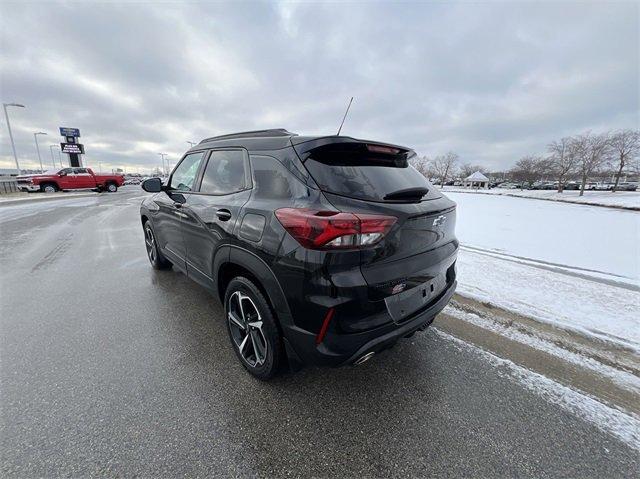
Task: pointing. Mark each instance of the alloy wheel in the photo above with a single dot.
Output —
(245, 324)
(150, 243)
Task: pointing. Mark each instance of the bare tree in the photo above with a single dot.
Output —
(528, 169)
(563, 160)
(442, 166)
(591, 153)
(624, 146)
(422, 165)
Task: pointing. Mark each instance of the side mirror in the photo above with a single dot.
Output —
(62, 173)
(152, 185)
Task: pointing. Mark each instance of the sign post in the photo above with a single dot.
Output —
(71, 146)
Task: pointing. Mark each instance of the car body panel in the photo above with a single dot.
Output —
(302, 284)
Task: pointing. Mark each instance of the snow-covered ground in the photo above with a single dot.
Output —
(619, 199)
(575, 266)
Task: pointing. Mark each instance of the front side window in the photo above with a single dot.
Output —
(225, 173)
(184, 175)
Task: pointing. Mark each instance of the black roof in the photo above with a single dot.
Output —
(275, 139)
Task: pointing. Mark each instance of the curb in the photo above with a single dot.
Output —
(58, 196)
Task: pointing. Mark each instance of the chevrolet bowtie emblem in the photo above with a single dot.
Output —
(440, 220)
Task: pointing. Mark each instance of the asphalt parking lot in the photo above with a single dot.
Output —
(112, 368)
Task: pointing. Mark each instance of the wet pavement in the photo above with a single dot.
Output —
(109, 368)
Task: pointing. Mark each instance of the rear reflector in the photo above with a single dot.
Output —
(325, 325)
(315, 229)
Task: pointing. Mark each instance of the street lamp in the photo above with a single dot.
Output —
(164, 170)
(35, 137)
(13, 146)
(59, 156)
(52, 159)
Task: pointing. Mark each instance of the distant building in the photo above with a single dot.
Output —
(476, 180)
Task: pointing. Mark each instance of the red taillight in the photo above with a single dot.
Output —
(315, 229)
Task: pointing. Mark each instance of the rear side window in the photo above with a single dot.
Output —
(225, 173)
(358, 173)
(185, 174)
(275, 182)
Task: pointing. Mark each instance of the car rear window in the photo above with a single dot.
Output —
(358, 173)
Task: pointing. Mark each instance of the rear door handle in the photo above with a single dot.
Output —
(223, 214)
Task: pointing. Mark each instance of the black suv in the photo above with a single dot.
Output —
(324, 250)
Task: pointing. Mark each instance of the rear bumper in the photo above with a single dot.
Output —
(343, 349)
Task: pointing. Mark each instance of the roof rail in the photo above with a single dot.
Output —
(251, 134)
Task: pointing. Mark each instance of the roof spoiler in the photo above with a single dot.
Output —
(305, 147)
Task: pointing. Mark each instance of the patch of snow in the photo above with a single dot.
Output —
(575, 236)
(623, 379)
(28, 197)
(624, 426)
(619, 199)
(590, 306)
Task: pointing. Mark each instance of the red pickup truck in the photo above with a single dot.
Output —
(69, 179)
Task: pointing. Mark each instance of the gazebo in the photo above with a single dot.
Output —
(476, 180)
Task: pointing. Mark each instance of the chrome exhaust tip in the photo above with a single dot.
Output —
(364, 358)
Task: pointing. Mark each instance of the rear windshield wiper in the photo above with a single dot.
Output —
(408, 194)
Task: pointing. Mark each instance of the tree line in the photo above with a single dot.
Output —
(577, 157)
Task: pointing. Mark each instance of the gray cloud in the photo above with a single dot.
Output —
(491, 81)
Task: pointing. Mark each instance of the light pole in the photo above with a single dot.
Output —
(59, 156)
(35, 137)
(13, 146)
(164, 170)
(52, 158)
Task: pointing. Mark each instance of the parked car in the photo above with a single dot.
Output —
(509, 186)
(69, 179)
(323, 250)
(627, 186)
(603, 186)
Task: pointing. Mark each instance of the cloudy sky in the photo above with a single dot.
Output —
(491, 81)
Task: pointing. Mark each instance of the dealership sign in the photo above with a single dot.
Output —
(72, 148)
(75, 132)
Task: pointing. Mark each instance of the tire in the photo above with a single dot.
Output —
(260, 351)
(156, 258)
(48, 188)
(112, 187)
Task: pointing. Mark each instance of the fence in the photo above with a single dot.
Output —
(8, 185)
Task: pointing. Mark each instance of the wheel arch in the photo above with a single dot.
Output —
(231, 261)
